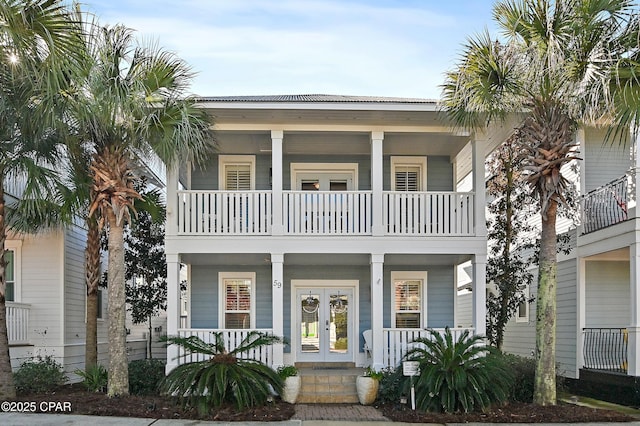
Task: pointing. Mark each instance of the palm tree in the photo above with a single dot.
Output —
(131, 103)
(554, 71)
(39, 51)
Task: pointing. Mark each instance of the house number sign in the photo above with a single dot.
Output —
(277, 284)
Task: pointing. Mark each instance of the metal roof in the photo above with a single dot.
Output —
(315, 98)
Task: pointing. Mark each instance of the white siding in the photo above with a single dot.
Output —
(607, 294)
(74, 286)
(464, 313)
(603, 162)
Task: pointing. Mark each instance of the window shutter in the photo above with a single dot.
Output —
(237, 303)
(408, 303)
(407, 178)
(237, 177)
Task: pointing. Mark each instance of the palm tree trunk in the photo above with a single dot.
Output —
(545, 380)
(7, 385)
(118, 367)
(92, 271)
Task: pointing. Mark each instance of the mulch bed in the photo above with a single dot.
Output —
(160, 407)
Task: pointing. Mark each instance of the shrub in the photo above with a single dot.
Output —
(390, 389)
(38, 375)
(287, 371)
(95, 378)
(145, 376)
(224, 377)
(523, 370)
(370, 372)
(461, 375)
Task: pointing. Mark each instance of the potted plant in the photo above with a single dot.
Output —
(291, 388)
(367, 386)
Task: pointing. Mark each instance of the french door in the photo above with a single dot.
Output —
(324, 324)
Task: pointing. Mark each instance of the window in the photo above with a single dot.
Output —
(10, 276)
(237, 172)
(237, 300)
(409, 174)
(324, 176)
(522, 314)
(408, 299)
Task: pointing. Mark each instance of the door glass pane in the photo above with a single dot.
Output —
(309, 324)
(339, 323)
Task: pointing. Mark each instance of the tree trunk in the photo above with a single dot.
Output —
(150, 341)
(92, 276)
(7, 385)
(545, 380)
(118, 367)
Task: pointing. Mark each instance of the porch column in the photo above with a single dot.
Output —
(479, 147)
(581, 295)
(377, 227)
(276, 181)
(377, 309)
(480, 294)
(173, 307)
(171, 223)
(633, 353)
(277, 306)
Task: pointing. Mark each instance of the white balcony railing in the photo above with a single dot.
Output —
(429, 213)
(324, 212)
(18, 323)
(398, 341)
(232, 339)
(224, 212)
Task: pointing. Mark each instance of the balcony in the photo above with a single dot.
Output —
(325, 213)
(18, 323)
(605, 349)
(607, 205)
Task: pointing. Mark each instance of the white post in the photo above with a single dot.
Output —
(479, 147)
(277, 304)
(480, 294)
(633, 330)
(173, 307)
(276, 181)
(376, 183)
(581, 314)
(171, 227)
(377, 308)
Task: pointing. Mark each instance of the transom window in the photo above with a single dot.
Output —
(408, 299)
(237, 300)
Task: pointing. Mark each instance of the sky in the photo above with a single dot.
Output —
(281, 47)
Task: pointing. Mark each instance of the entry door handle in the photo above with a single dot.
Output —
(327, 324)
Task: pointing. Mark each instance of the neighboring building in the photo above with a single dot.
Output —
(321, 217)
(598, 293)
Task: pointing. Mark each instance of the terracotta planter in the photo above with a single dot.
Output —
(291, 389)
(367, 388)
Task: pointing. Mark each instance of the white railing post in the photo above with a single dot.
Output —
(377, 303)
(479, 147)
(277, 305)
(173, 308)
(276, 181)
(173, 203)
(480, 294)
(377, 225)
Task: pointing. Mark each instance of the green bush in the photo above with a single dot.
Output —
(461, 375)
(95, 378)
(224, 377)
(145, 376)
(523, 370)
(390, 389)
(39, 375)
(287, 371)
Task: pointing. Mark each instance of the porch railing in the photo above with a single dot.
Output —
(428, 213)
(398, 341)
(607, 205)
(605, 349)
(18, 323)
(224, 212)
(327, 212)
(232, 338)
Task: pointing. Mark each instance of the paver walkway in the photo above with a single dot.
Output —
(353, 412)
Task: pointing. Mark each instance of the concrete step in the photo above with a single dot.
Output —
(328, 385)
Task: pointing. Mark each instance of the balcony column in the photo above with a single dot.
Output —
(173, 307)
(480, 294)
(377, 310)
(581, 295)
(171, 227)
(479, 148)
(276, 182)
(633, 353)
(377, 199)
(277, 306)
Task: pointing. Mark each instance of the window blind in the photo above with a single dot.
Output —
(408, 303)
(407, 178)
(237, 177)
